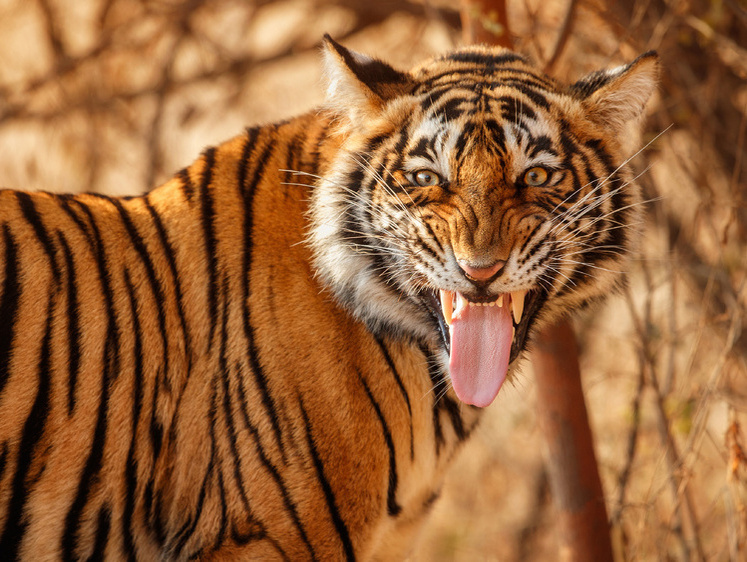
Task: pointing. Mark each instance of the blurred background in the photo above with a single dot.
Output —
(115, 96)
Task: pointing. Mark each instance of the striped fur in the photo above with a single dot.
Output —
(244, 363)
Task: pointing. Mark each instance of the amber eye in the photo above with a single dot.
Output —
(536, 176)
(424, 178)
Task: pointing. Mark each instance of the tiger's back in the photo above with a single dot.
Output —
(232, 365)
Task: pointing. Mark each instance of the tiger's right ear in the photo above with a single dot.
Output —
(358, 85)
(618, 96)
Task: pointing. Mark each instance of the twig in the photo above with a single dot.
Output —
(622, 480)
(53, 32)
(685, 526)
(565, 33)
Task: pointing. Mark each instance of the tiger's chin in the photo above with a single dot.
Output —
(484, 337)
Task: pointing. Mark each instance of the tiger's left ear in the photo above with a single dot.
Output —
(618, 96)
(358, 85)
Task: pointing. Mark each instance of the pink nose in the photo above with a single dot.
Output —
(481, 273)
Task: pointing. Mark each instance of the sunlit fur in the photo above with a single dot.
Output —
(241, 364)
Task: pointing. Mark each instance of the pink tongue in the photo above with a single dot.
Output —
(480, 349)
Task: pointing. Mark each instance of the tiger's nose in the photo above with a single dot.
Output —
(480, 273)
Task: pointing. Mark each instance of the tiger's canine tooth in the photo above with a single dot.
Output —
(460, 303)
(447, 305)
(517, 305)
(499, 302)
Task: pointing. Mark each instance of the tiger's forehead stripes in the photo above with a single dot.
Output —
(509, 99)
(482, 67)
(509, 133)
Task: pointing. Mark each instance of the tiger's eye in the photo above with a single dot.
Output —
(426, 178)
(536, 177)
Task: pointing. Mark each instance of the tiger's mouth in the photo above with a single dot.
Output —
(483, 336)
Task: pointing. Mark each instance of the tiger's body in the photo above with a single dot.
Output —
(247, 362)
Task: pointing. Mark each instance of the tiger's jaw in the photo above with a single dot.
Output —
(483, 338)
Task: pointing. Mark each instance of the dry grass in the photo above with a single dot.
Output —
(115, 95)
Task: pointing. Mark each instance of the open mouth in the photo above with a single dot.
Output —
(483, 337)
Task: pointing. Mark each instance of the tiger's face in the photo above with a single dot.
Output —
(474, 199)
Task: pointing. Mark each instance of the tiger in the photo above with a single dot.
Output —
(277, 354)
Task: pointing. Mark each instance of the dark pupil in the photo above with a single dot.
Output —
(535, 177)
(425, 177)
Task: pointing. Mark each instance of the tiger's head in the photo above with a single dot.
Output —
(475, 199)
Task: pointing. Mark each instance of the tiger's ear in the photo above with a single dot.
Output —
(618, 96)
(357, 84)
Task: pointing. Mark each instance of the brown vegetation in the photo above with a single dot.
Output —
(115, 95)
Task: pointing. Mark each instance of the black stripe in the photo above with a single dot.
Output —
(530, 239)
(246, 154)
(221, 536)
(541, 143)
(496, 135)
(422, 148)
(485, 59)
(393, 508)
(437, 380)
(466, 78)
(401, 386)
(272, 469)
(138, 397)
(433, 239)
(511, 108)
(93, 464)
(211, 243)
(597, 146)
(248, 191)
(268, 150)
(188, 529)
(159, 297)
(188, 187)
(464, 136)
(445, 403)
(337, 520)
(423, 251)
(292, 158)
(3, 459)
(32, 216)
(375, 142)
(102, 534)
(66, 201)
(73, 327)
(529, 91)
(112, 329)
(316, 153)
(33, 429)
(155, 430)
(154, 511)
(431, 102)
(452, 409)
(453, 108)
(8, 304)
(170, 254)
(227, 409)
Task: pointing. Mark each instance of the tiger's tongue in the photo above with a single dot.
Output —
(480, 350)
